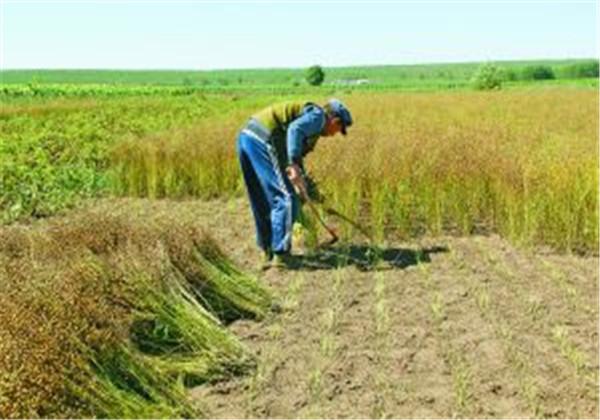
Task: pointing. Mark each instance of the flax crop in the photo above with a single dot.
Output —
(519, 163)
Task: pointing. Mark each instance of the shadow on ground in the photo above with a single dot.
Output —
(365, 258)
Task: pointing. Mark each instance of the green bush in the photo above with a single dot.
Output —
(488, 77)
(315, 75)
(580, 70)
(538, 72)
(510, 75)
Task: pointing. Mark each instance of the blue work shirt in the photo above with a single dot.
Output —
(303, 133)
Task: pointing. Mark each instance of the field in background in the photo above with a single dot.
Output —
(431, 77)
(384, 75)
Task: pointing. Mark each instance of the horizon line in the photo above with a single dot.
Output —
(430, 63)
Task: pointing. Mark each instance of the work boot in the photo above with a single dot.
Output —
(266, 260)
(283, 261)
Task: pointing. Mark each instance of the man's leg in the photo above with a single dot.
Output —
(282, 206)
(258, 200)
(279, 198)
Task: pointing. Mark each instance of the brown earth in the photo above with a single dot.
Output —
(442, 327)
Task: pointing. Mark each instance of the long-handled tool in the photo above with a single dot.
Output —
(307, 199)
(315, 195)
(334, 236)
(351, 222)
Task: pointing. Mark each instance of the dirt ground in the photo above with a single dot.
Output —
(442, 327)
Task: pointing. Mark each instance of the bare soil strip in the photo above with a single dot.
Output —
(528, 313)
(445, 327)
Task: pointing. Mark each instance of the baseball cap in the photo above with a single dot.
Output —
(340, 110)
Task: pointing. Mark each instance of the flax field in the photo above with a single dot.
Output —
(523, 164)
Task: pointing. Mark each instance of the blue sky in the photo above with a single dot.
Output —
(255, 34)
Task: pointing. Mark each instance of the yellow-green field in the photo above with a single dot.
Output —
(523, 164)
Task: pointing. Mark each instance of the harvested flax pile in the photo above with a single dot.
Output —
(104, 314)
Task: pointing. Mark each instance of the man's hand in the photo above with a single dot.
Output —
(295, 175)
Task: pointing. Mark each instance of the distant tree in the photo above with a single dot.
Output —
(538, 72)
(315, 75)
(488, 77)
(588, 69)
(580, 70)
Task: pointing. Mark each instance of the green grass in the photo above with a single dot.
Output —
(55, 153)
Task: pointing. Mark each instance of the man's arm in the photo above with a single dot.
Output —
(307, 125)
(294, 173)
